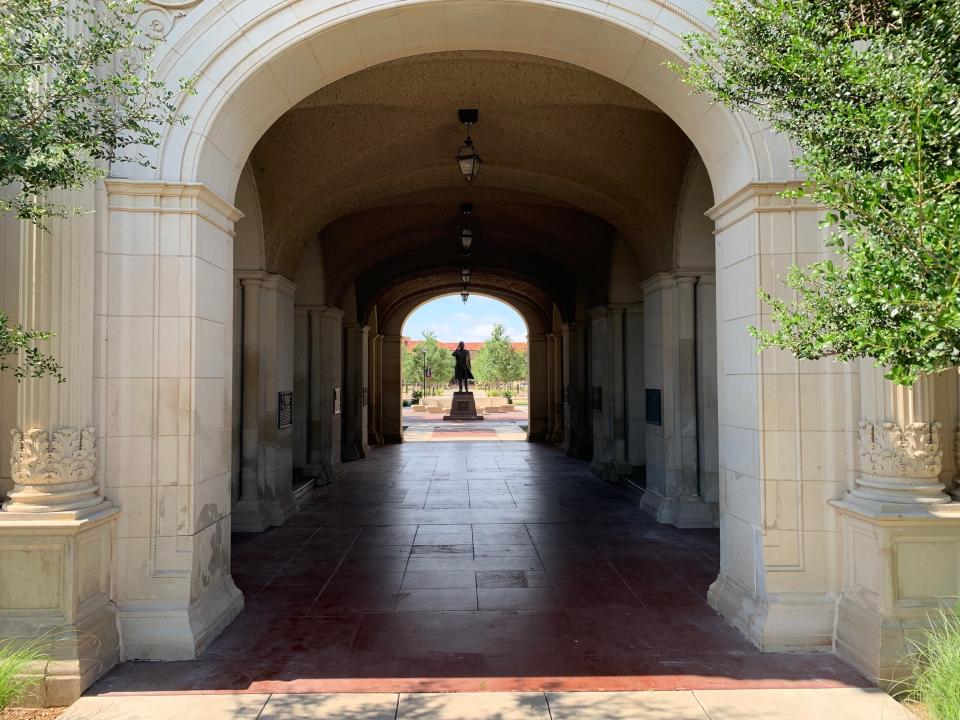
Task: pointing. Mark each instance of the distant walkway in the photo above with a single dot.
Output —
(495, 428)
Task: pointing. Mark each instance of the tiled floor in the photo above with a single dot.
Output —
(476, 567)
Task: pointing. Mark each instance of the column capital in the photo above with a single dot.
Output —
(900, 464)
(54, 473)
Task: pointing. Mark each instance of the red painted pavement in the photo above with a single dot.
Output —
(466, 567)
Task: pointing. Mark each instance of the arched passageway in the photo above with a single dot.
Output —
(250, 292)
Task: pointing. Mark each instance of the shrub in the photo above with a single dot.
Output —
(936, 675)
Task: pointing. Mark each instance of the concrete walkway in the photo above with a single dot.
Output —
(801, 704)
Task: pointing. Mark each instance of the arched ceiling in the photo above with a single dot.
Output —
(365, 168)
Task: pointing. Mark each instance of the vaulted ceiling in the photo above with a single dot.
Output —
(572, 161)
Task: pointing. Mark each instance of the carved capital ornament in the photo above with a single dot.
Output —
(53, 473)
(900, 464)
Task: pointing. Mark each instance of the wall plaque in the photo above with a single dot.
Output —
(337, 400)
(654, 407)
(284, 409)
(597, 399)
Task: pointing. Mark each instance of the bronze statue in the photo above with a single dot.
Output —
(461, 372)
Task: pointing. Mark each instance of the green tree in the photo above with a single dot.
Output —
(870, 91)
(439, 362)
(498, 361)
(77, 92)
(411, 366)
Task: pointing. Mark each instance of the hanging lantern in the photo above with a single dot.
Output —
(466, 240)
(466, 234)
(465, 274)
(464, 296)
(468, 158)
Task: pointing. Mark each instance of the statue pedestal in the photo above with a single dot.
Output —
(463, 407)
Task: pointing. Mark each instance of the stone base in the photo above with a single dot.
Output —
(898, 570)
(161, 632)
(55, 576)
(258, 515)
(681, 512)
(788, 622)
(463, 407)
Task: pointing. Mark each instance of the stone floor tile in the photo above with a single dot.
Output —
(625, 706)
(167, 707)
(473, 706)
(802, 704)
(345, 706)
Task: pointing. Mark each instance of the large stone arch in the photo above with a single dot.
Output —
(253, 62)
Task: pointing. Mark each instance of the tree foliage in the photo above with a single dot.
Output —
(19, 353)
(77, 92)
(439, 361)
(498, 361)
(870, 92)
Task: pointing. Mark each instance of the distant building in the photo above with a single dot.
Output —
(451, 346)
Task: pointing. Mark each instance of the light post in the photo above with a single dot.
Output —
(423, 356)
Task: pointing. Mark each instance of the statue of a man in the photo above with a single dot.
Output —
(461, 372)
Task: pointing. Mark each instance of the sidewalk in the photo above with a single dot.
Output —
(801, 704)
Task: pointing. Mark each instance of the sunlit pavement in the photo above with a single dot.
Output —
(439, 567)
(848, 704)
(494, 428)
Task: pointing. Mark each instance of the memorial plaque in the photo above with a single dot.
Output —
(337, 400)
(654, 407)
(597, 398)
(284, 409)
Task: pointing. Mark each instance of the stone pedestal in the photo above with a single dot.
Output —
(56, 556)
(900, 534)
(898, 569)
(463, 407)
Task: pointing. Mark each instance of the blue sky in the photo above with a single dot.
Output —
(453, 321)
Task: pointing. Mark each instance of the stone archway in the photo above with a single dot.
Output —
(162, 403)
(254, 64)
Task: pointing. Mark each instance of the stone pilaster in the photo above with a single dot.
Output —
(900, 532)
(576, 408)
(391, 378)
(354, 442)
(374, 370)
(326, 388)
(537, 407)
(672, 446)
(57, 531)
(266, 481)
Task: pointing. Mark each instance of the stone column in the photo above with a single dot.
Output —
(672, 446)
(784, 426)
(552, 388)
(57, 531)
(354, 441)
(165, 333)
(635, 411)
(900, 532)
(576, 411)
(609, 458)
(537, 407)
(556, 376)
(326, 392)
(390, 390)
(266, 480)
(373, 389)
